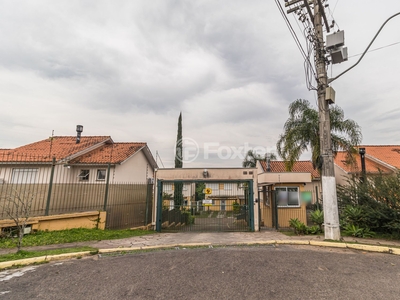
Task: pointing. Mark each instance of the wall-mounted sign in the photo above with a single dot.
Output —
(207, 202)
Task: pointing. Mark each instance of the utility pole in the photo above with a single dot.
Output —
(331, 212)
(330, 207)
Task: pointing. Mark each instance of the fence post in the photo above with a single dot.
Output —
(159, 203)
(53, 165)
(251, 204)
(107, 185)
(148, 197)
(276, 211)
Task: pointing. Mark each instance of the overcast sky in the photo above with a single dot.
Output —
(127, 68)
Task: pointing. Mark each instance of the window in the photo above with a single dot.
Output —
(287, 196)
(24, 175)
(101, 174)
(213, 186)
(84, 175)
(228, 186)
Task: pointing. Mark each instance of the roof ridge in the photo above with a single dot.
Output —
(378, 146)
(130, 143)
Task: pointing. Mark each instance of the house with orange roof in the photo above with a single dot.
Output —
(284, 195)
(378, 159)
(87, 160)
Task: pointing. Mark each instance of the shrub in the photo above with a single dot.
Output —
(314, 230)
(356, 231)
(317, 217)
(236, 207)
(298, 226)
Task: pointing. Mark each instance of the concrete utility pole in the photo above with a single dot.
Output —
(330, 207)
(331, 212)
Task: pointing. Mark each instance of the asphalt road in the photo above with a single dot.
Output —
(259, 272)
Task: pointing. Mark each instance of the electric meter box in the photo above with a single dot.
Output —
(335, 40)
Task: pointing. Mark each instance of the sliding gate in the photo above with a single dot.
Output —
(205, 206)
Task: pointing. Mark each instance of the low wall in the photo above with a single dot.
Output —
(287, 213)
(89, 219)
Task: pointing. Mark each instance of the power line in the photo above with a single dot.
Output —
(335, 6)
(379, 48)
(307, 64)
(292, 32)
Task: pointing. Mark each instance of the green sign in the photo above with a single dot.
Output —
(306, 197)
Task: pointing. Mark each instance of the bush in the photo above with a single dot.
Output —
(314, 230)
(298, 226)
(371, 205)
(236, 207)
(356, 231)
(317, 217)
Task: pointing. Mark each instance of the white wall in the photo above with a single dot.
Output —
(136, 169)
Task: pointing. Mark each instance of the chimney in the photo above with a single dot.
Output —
(268, 161)
(79, 129)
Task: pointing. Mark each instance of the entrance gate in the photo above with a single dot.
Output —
(202, 205)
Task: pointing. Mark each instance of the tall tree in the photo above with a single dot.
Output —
(301, 133)
(178, 145)
(178, 186)
(250, 161)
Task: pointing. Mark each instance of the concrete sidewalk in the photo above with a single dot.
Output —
(213, 238)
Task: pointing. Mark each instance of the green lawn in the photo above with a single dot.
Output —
(42, 238)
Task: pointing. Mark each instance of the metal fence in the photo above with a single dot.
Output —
(52, 187)
(204, 206)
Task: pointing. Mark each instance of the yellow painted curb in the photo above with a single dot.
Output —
(159, 247)
(395, 251)
(119, 249)
(369, 248)
(194, 245)
(260, 243)
(328, 244)
(138, 248)
(32, 260)
(293, 242)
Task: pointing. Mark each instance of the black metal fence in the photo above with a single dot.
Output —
(53, 187)
(205, 206)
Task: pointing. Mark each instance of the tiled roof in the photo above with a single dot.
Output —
(110, 153)
(59, 147)
(387, 154)
(298, 167)
(376, 158)
(90, 150)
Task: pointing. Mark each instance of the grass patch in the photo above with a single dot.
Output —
(29, 254)
(43, 238)
(288, 232)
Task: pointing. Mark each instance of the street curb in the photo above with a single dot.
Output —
(362, 247)
(40, 259)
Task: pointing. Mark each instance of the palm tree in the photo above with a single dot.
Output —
(301, 133)
(250, 161)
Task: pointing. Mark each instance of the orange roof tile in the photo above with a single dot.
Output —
(59, 147)
(387, 154)
(298, 167)
(377, 159)
(110, 153)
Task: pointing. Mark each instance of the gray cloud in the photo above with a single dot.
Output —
(127, 69)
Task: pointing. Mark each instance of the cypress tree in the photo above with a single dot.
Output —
(178, 186)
